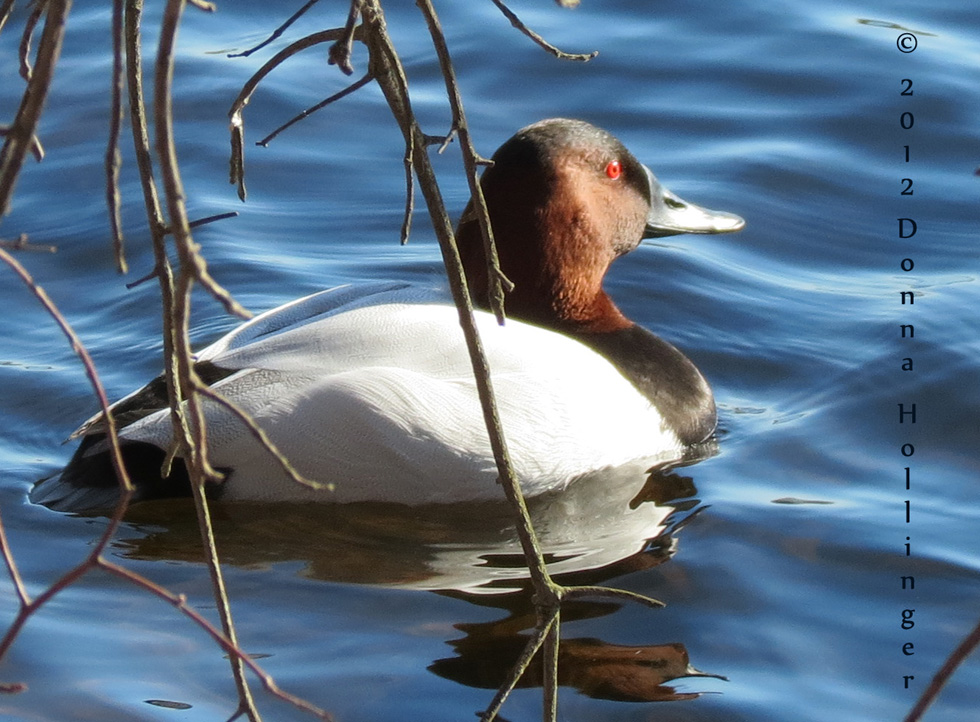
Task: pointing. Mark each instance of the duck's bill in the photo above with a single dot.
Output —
(670, 215)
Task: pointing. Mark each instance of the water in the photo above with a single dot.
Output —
(786, 113)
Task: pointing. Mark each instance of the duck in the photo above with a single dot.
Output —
(368, 388)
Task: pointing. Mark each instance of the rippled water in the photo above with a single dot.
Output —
(786, 113)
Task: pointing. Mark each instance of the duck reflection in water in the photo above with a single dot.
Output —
(596, 530)
(598, 669)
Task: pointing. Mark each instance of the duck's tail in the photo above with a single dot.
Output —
(89, 482)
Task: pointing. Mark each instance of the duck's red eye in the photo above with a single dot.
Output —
(614, 169)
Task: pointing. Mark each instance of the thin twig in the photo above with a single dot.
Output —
(386, 66)
(324, 36)
(340, 52)
(549, 685)
(192, 268)
(237, 122)
(6, 7)
(406, 230)
(22, 244)
(497, 282)
(25, 39)
(956, 658)
(276, 33)
(545, 589)
(450, 136)
(179, 601)
(37, 150)
(115, 455)
(610, 592)
(193, 224)
(115, 452)
(151, 203)
(173, 326)
(264, 440)
(319, 106)
(211, 219)
(15, 577)
(21, 135)
(130, 285)
(537, 639)
(547, 635)
(113, 158)
(189, 250)
(561, 55)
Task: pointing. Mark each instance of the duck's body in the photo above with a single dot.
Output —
(370, 388)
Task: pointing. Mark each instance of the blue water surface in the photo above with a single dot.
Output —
(787, 113)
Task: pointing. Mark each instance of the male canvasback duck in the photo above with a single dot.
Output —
(370, 388)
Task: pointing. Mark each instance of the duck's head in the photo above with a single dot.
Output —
(565, 200)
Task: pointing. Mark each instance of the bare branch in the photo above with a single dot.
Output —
(192, 224)
(186, 247)
(561, 55)
(541, 632)
(151, 202)
(26, 37)
(22, 244)
(211, 219)
(191, 436)
(179, 601)
(20, 136)
(36, 149)
(237, 123)
(115, 455)
(549, 661)
(89, 365)
(386, 67)
(622, 594)
(15, 577)
(340, 51)
(113, 159)
(319, 106)
(236, 164)
(263, 439)
(324, 36)
(497, 282)
(277, 32)
(409, 197)
(956, 658)
(6, 7)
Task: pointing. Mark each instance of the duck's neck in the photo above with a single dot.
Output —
(663, 374)
(579, 308)
(545, 293)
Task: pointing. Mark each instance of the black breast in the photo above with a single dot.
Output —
(662, 374)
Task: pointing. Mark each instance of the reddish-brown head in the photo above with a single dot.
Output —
(565, 200)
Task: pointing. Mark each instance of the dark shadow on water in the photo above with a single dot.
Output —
(598, 669)
(600, 527)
